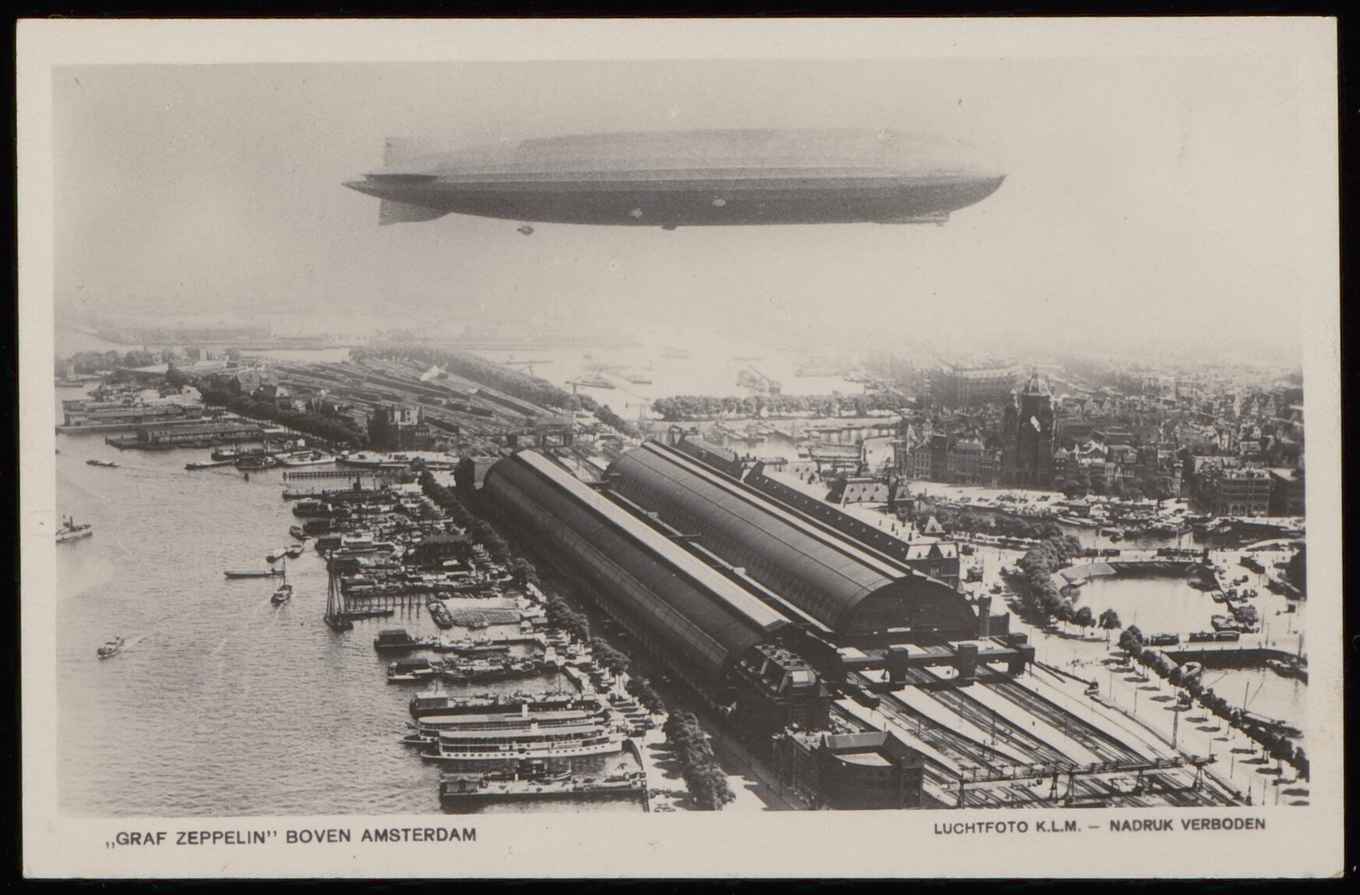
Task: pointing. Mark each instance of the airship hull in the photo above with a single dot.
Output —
(691, 179)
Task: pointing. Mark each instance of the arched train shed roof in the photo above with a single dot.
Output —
(834, 579)
(664, 594)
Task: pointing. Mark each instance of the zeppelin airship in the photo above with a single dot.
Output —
(688, 179)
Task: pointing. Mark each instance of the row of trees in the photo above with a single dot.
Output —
(690, 407)
(1276, 745)
(645, 693)
(1078, 483)
(1006, 526)
(484, 533)
(707, 784)
(452, 502)
(447, 500)
(613, 660)
(562, 614)
(609, 417)
(86, 362)
(1039, 594)
(333, 428)
(524, 572)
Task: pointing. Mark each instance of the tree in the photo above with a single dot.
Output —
(524, 572)
(1084, 618)
(1109, 620)
(379, 431)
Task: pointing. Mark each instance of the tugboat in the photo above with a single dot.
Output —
(69, 531)
(110, 648)
(284, 593)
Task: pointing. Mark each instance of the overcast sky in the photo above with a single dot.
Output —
(1147, 200)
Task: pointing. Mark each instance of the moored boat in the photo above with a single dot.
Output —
(506, 746)
(106, 464)
(398, 640)
(411, 670)
(440, 613)
(438, 704)
(468, 792)
(252, 573)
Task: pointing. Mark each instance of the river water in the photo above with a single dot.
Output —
(1171, 605)
(221, 703)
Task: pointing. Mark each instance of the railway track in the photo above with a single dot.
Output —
(979, 715)
(1160, 787)
(1104, 745)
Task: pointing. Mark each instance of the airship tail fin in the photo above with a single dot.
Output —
(391, 211)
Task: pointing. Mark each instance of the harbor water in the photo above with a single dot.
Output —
(220, 703)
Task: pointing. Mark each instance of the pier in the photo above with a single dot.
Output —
(196, 434)
(1228, 655)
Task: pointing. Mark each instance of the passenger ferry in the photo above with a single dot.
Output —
(519, 714)
(569, 741)
(433, 704)
(427, 731)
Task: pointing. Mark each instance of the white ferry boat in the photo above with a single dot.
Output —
(532, 742)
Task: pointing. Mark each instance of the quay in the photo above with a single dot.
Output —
(187, 434)
(1228, 655)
